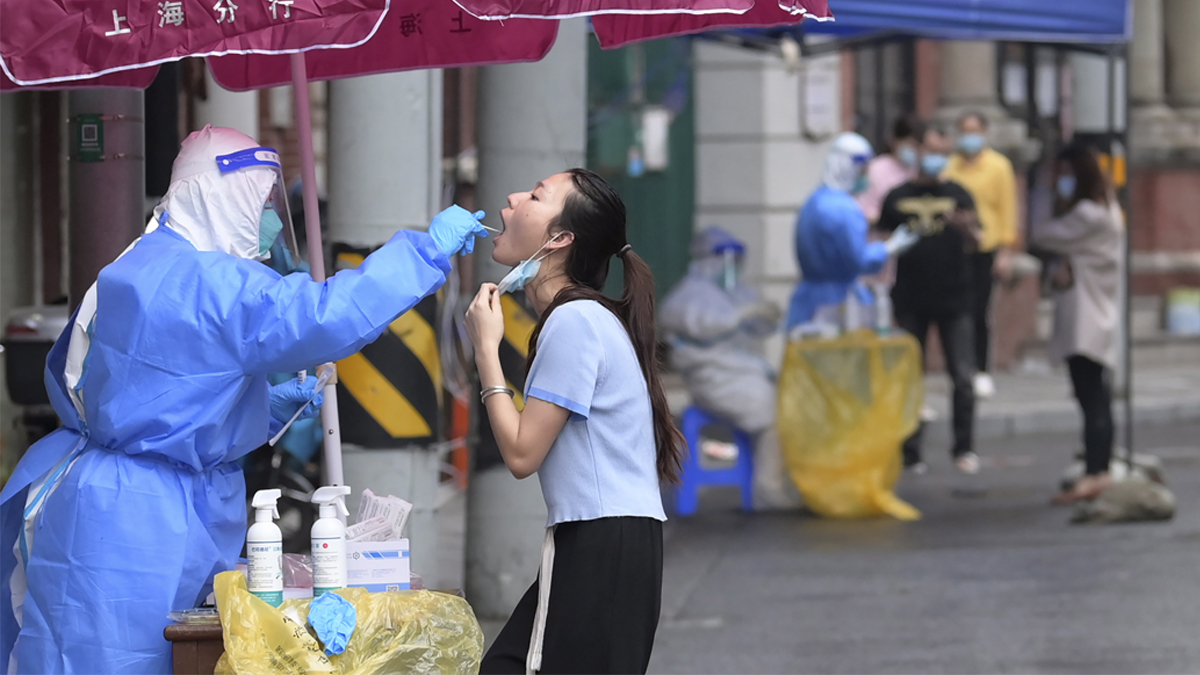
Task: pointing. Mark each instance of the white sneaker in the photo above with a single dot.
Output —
(985, 386)
(917, 469)
(968, 463)
(719, 450)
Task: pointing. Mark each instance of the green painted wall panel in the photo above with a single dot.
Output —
(660, 204)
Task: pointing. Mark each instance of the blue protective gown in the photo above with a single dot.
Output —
(175, 390)
(833, 251)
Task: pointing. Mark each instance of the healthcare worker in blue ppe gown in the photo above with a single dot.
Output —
(831, 235)
(128, 511)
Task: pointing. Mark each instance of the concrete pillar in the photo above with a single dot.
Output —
(968, 79)
(1146, 87)
(224, 108)
(526, 136)
(1182, 21)
(762, 134)
(532, 124)
(1152, 123)
(16, 241)
(385, 160)
(384, 175)
(108, 209)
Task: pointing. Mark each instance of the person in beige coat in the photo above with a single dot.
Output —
(1088, 234)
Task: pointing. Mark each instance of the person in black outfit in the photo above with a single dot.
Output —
(933, 284)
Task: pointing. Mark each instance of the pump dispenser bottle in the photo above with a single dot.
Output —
(264, 548)
(329, 540)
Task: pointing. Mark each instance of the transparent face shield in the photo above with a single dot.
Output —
(277, 238)
(283, 252)
(731, 265)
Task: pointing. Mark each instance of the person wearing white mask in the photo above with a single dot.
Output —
(933, 284)
(893, 168)
(988, 175)
(595, 429)
(161, 382)
(832, 244)
(1088, 232)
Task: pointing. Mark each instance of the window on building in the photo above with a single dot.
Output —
(1028, 80)
(885, 88)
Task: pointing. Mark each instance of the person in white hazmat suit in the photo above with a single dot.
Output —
(126, 512)
(715, 325)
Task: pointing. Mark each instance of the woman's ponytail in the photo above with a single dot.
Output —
(636, 310)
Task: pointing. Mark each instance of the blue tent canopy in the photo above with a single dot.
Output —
(1091, 21)
(1065, 21)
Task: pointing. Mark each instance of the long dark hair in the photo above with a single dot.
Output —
(595, 214)
(1090, 182)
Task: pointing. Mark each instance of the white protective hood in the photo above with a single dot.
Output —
(847, 160)
(215, 211)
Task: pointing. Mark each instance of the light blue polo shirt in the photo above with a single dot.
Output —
(603, 463)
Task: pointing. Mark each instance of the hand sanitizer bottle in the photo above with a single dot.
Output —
(883, 310)
(329, 540)
(264, 547)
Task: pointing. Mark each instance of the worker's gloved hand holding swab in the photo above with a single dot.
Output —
(454, 230)
(296, 391)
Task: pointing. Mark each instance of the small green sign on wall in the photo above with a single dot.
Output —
(89, 138)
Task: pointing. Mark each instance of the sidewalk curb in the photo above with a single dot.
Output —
(1014, 425)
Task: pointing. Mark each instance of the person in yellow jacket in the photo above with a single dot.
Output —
(988, 176)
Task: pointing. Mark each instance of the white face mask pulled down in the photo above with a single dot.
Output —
(525, 271)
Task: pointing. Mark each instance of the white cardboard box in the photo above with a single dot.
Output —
(378, 565)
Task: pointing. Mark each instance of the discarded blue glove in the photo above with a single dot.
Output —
(287, 398)
(334, 619)
(454, 230)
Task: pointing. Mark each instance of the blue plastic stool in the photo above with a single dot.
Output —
(694, 476)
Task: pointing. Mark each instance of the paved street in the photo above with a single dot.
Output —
(989, 583)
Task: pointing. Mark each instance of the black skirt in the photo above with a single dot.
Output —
(605, 597)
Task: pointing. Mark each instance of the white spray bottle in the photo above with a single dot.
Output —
(264, 547)
(329, 540)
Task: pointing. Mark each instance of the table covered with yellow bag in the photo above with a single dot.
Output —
(394, 632)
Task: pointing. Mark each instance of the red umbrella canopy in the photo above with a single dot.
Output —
(615, 31)
(45, 42)
(65, 43)
(139, 78)
(439, 34)
(416, 34)
(561, 9)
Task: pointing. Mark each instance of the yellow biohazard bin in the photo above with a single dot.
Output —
(396, 632)
(845, 407)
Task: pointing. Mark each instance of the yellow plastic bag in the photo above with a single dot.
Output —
(845, 407)
(399, 632)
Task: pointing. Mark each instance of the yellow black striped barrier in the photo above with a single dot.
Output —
(518, 327)
(392, 390)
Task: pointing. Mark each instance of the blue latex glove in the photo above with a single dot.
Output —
(901, 240)
(286, 398)
(334, 619)
(454, 230)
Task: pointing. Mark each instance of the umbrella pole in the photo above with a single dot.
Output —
(316, 258)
